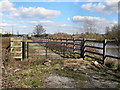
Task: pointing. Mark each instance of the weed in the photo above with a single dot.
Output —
(110, 64)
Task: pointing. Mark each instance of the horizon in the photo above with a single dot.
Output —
(63, 17)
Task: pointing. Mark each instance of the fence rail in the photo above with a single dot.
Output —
(65, 43)
(76, 48)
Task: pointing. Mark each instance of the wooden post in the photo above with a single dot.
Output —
(73, 46)
(46, 50)
(48, 39)
(63, 49)
(83, 48)
(61, 45)
(56, 49)
(104, 50)
(84, 41)
(66, 44)
(23, 50)
(56, 39)
(27, 50)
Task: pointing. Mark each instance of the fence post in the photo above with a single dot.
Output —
(56, 39)
(73, 46)
(46, 50)
(83, 48)
(61, 46)
(66, 44)
(27, 50)
(23, 50)
(104, 50)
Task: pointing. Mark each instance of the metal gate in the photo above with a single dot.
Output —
(42, 49)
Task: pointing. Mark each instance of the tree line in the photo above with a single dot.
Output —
(113, 33)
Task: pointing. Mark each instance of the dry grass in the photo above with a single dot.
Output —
(111, 63)
(5, 42)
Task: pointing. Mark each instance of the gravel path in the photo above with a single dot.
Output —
(57, 81)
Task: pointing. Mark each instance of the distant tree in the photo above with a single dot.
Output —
(38, 30)
(107, 30)
(89, 26)
(116, 32)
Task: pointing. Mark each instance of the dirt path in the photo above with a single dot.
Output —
(56, 81)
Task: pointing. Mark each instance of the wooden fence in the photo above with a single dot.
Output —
(17, 48)
(81, 50)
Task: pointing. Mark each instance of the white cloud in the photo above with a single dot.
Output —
(107, 7)
(33, 22)
(6, 24)
(46, 21)
(24, 26)
(63, 25)
(31, 12)
(87, 18)
(68, 19)
(52, 26)
(3, 21)
(1, 14)
(86, 6)
(6, 6)
(21, 21)
(51, 0)
(100, 23)
(115, 22)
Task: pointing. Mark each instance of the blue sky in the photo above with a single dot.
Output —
(67, 17)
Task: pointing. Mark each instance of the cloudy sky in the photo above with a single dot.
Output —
(55, 16)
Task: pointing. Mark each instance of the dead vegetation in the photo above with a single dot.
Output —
(76, 73)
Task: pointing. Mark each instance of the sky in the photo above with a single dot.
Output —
(56, 16)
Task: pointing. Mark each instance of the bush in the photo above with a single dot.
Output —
(110, 64)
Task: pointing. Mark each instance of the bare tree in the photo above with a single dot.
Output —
(107, 30)
(89, 26)
(39, 30)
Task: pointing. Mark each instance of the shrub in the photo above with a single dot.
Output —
(110, 64)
